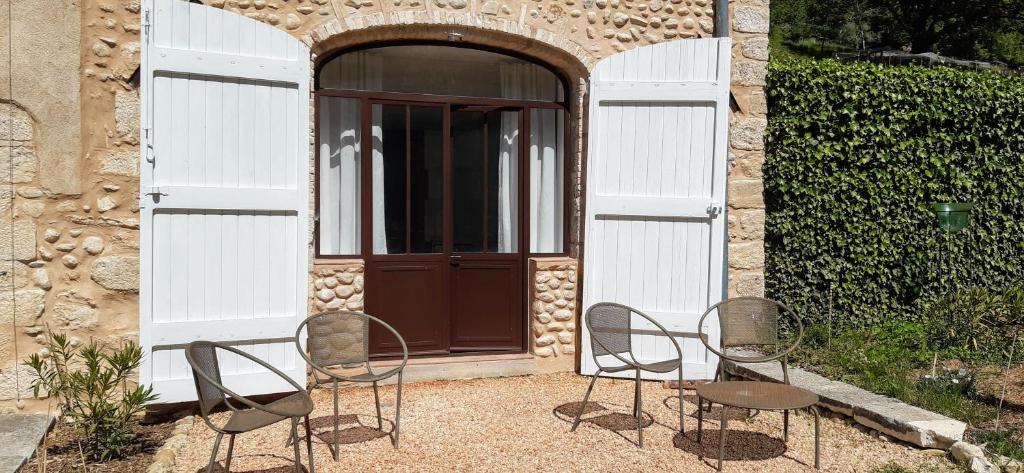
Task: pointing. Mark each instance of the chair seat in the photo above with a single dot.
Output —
(296, 405)
(363, 377)
(757, 395)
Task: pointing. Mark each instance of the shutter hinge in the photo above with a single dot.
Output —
(146, 23)
(715, 209)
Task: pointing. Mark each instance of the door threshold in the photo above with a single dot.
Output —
(454, 358)
(444, 368)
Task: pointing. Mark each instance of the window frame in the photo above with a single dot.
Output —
(366, 98)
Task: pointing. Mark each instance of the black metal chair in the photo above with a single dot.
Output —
(341, 340)
(754, 322)
(246, 415)
(611, 333)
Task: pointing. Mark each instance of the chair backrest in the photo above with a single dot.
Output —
(751, 321)
(338, 338)
(609, 325)
(202, 357)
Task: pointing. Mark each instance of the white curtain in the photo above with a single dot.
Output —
(340, 160)
(547, 148)
(546, 155)
(508, 183)
(547, 180)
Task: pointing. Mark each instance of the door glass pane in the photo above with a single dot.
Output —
(468, 180)
(502, 181)
(547, 180)
(389, 178)
(339, 161)
(426, 179)
(441, 70)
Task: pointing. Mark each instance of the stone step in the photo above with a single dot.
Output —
(20, 434)
(461, 367)
(890, 416)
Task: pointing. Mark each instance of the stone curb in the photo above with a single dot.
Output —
(889, 416)
(165, 457)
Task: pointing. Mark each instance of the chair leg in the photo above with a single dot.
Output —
(231, 452)
(700, 424)
(723, 425)
(583, 406)
(309, 444)
(337, 442)
(682, 405)
(785, 426)
(376, 399)
(295, 444)
(398, 409)
(817, 438)
(213, 456)
(639, 414)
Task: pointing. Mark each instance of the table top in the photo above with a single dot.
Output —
(757, 395)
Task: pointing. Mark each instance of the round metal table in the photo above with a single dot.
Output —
(756, 395)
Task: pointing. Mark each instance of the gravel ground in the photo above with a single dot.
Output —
(522, 424)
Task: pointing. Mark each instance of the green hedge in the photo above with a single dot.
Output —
(855, 153)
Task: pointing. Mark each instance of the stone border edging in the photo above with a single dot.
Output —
(164, 459)
(889, 416)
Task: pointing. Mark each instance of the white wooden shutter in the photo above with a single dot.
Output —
(224, 204)
(656, 175)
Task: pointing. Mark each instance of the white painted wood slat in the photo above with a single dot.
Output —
(656, 172)
(224, 212)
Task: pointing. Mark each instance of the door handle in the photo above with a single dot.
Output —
(455, 260)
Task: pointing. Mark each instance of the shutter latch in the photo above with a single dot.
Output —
(154, 191)
(714, 209)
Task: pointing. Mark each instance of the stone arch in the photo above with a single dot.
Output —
(556, 50)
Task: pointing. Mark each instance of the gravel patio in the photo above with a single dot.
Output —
(522, 424)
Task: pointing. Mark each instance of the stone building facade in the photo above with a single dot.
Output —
(69, 148)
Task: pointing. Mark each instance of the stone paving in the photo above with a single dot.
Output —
(20, 434)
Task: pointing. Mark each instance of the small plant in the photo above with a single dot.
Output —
(976, 320)
(93, 391)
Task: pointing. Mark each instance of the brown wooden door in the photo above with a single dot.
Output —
(486, 261)
(442, 226)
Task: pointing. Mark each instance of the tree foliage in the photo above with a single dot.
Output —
(856, 152)
(971, 29)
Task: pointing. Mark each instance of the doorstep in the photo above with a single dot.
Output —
(20, 434)
(461, 367)
(890, 416)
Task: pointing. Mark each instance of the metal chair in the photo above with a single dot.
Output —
(341, 340)
(246, 415)
(611, 333)
(753, 322)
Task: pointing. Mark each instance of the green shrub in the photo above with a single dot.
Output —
(856, 152)
(93, 391)
(976, 321)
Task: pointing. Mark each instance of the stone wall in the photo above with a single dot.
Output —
(553, 314)
(337, 287)
(70, 218)
(746, 201)
(69, 250)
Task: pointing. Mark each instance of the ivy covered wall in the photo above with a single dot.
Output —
(856, 152)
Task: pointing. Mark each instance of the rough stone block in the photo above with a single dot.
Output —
(121, 163)
(749, 19)
(117, 273)
(126, 113)
(24, 159)
(756, 48)
(746, 194)
(748, 133)
(19, 235)
(26, 305)
(750, 73)
(746, 255)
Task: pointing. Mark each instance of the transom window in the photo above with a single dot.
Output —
(444, 131)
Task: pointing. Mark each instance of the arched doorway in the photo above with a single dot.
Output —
(444, 169)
